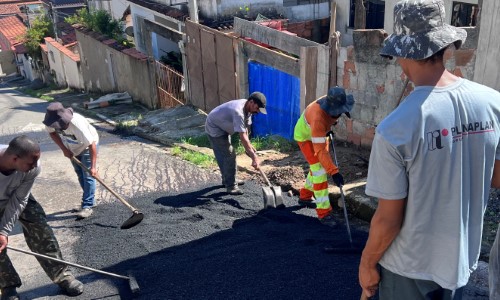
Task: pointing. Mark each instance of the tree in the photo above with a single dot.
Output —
(98, 21)
(40, 28)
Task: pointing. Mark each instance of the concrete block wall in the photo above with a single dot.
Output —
(377, 83)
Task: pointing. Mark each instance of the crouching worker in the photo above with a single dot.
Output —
(310, 133)
(19, 167)
(76, 137)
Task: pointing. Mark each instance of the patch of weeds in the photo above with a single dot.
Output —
(200, 141)
(45, 93)
(199, 159)
(273, 142)
(126, 125)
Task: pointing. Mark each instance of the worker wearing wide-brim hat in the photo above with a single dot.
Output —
(310, 133)
(76, 137)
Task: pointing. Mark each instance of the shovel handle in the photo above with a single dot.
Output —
(105, 185)
(67, 263)
(265, 177)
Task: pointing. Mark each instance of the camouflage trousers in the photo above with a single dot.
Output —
(40, 239)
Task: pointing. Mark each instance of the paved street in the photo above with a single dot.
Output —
(194, 243)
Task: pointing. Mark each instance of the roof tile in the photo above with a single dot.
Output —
(12, 31)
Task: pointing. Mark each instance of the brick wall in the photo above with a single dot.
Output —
(377, 83)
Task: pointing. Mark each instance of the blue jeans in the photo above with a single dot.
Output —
(87, 182)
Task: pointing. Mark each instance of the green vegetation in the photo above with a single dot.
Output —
(45, 93)
(260, 143)
(40, 28)
(200, 141)
(126, 126)
(174, 60)
(199, 159)
(99, 21)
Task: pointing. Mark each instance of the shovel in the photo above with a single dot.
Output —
(272, 194)
(352, 249)
(134, 287)
(137, 216)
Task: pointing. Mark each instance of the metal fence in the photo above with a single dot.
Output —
(170, 86)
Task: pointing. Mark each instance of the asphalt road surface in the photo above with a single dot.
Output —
(195, 241)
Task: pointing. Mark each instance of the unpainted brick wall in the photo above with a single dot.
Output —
(377, 83)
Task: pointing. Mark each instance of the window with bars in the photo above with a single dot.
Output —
(375, 13)
(464, 14)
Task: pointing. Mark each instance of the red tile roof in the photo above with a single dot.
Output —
(63, 49)
(12, 31)
(9, 9)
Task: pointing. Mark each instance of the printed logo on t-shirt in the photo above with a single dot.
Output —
(458, 132)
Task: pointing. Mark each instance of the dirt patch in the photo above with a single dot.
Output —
(289, 170)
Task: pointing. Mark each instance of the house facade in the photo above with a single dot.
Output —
(14, 54)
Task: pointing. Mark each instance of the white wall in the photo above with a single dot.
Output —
(160, 44)
(144, 13)
(487, 59)
(72, 71)
(307, 12)
(56, 64)
(25, 68)
(214, 8)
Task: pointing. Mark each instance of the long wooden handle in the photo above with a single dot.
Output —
(265, 177)
(66, 262)
(105, 185)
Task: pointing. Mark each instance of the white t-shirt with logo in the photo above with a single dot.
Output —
(79, 135)
(438, 149)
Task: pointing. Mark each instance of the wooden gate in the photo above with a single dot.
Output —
(170, 86)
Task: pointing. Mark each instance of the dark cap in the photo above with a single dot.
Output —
(420, 30)
(337, 102)
(260, 99)
(57, 116)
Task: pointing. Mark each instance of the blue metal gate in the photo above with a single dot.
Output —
(283, 100)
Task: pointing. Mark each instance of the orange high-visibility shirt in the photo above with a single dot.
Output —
(319, 123)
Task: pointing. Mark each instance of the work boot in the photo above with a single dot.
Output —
(234, 191)
(328, 220)
(84, 213)
(309, 203)
(237, 182)
(9, 293)
(71, 286)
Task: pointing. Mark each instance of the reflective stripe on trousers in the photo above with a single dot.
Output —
(317, 180)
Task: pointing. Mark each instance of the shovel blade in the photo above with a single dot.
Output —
(278, 197)
(135, 219)
(268, 195)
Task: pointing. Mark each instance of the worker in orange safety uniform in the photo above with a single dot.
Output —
(310, 133)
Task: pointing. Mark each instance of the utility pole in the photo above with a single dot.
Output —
(27, 16)
(193, 10)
